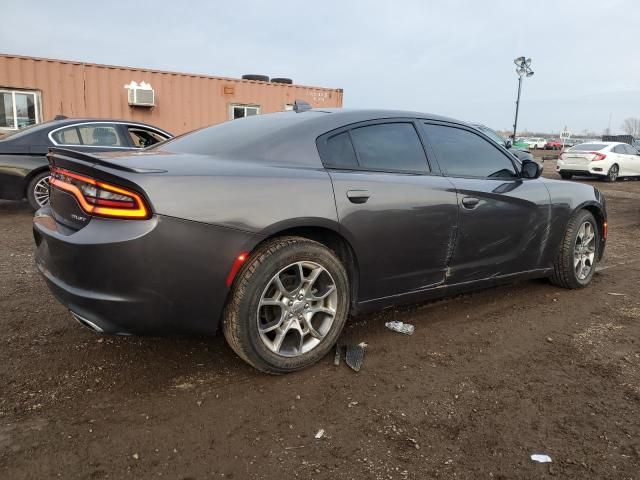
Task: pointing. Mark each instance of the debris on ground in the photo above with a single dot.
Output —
(617, 294)
(336, 358)
(541, 458)
(320, 433)
(354, 356)
(400, 327)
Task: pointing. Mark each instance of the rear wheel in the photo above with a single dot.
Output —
(575, 262)
(566, 176)
(38, 190)
(288, 305)
(613, 173)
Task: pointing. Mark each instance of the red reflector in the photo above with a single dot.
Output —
(240, 259)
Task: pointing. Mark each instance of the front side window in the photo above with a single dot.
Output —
(465, 154)
(143, 138)
(19, 109)
(241, 111)
(389, 147)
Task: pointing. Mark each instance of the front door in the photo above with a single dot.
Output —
(504, 219)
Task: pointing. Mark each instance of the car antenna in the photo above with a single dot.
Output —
(300, 106)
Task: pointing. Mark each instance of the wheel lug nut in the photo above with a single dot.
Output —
(306, 305)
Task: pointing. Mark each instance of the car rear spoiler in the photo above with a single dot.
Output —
(63, 157)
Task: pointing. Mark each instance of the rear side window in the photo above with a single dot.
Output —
(465, 154)
(67, 136)
(389, 146)
(100, 135)
(340, 151)
(629, 150)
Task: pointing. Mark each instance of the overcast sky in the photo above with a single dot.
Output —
(454, 59)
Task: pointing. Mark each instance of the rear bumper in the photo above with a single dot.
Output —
(588, 170)
(158, 276)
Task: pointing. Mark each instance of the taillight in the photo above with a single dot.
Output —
(99, 198)
(597, 156)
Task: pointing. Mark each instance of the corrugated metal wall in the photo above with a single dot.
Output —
(183, 102)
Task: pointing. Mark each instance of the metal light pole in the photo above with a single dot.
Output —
(523, 69)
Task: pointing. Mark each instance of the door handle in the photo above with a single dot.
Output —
(470, 202)
(358, 196)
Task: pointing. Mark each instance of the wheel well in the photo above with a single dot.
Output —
(599, 216)
(28, 178)
(336, 243)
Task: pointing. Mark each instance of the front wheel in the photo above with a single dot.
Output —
(287, 305)
(575, 262)
(38, 190)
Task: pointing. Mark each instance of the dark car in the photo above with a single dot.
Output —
(279, 226)
(519, 153)
(24, 170)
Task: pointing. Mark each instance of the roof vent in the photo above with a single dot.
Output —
(141, 95)
(259, 78)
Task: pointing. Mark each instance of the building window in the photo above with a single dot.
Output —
(19, 109)
(241, 111)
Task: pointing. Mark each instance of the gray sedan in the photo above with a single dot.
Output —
(278, 227)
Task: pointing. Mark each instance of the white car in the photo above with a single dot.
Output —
(608, 160)
(536, 142)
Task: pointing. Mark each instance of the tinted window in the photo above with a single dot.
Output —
(100, 135)
(619, 149)
(589, 147)
(67, 136)
(340, 151)
(466, 154)
(389, 146)
(630, 150)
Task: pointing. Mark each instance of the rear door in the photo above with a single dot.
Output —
(504, 219)
(397, 212)
(632, 160)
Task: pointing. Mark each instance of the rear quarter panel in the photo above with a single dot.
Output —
(15, 172)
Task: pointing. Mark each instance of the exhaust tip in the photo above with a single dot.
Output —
(87, 323)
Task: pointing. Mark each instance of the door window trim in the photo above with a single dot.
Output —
(116, 126)
(516, 166)
(321, 145)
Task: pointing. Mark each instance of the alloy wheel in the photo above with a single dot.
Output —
(41, 191)
(613, 173)
(584, 250)
(297, 309)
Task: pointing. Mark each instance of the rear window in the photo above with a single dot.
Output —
(228, 136)
(588, 147)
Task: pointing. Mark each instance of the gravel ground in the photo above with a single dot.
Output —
(487, 380)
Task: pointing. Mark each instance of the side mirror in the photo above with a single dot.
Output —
(508, 144)
(531, 169)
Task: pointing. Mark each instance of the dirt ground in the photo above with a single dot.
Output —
(487, 380)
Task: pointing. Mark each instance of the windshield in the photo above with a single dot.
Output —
(495, 136)
(588, 147)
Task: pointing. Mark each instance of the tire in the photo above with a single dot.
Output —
(566, 176)
(246, 319)
(565, 272)
(286, 81)
(35, 191)
(613, 173)
(259, 78)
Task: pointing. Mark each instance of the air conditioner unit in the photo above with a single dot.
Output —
(141, 95)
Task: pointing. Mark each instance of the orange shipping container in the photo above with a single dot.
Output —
(39, 89)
